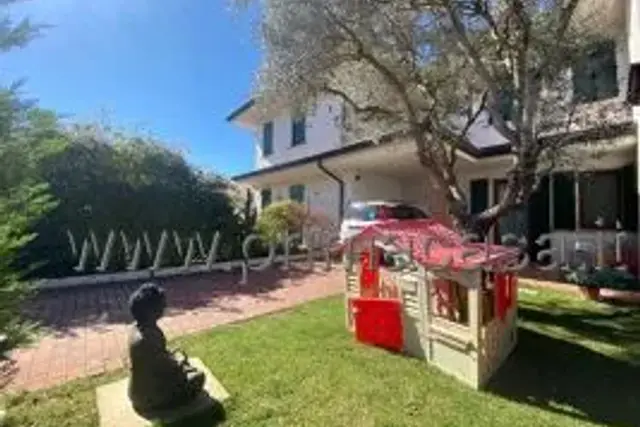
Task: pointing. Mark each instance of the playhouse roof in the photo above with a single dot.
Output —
(434, 245)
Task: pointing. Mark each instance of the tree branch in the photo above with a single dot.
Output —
(463, 41)
(369, 111)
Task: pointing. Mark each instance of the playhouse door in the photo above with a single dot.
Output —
(378, 322)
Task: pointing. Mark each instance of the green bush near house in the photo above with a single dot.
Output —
(280, 218)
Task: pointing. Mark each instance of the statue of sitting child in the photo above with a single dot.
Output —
(160, 379)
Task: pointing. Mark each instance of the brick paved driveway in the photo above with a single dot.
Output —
(86, 328)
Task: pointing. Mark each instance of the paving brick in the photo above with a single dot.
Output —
(87, 328)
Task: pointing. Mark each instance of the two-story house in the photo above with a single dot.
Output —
(306, 157)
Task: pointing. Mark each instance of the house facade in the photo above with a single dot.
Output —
(308, 159)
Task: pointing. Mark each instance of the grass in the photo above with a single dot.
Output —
(573, 366)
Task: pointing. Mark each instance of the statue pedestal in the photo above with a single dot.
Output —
(115, 410)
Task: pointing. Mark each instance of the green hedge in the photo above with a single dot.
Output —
(131, 185)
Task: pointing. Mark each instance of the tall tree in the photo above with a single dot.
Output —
(430, 70)
(27, 136)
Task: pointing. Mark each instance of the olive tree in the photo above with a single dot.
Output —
(429, 70)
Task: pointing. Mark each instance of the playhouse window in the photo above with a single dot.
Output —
(451, 302)
(488, 298)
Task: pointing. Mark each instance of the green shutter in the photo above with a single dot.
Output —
(265, 198)
(298, 131)
(479, 190)
(267, 139)
(506, 104)
(296, 193)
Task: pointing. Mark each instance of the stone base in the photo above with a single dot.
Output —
(115, 410)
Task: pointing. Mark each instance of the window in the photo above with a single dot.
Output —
(450, 301)
(599, 200)
(488, 297)
(265, 197)
(595, 77)
(512, 224)
(296, 193)
(505, 105)
(267, 139)
(479, 190)
(298, 131)
(628, 178)
(564, 197)
(603, 197)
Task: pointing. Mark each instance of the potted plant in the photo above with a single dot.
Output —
(587, 286)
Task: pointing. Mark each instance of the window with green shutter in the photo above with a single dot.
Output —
(267, 139)
(505, 105)
(265, 197)
(296, 193)
(595, 76)
(298, 131)
(479, 196)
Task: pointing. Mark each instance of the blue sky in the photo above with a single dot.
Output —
(175, 67)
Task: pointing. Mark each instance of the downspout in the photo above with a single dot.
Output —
(340, 188)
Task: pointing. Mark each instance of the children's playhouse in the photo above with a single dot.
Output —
(436, 297)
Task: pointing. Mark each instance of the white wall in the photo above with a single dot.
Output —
(324, 198)
(323, 134)
(321, 196)
(416, 192)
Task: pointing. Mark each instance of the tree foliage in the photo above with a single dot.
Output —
(107, 179)
(428, 71)
(28, 135)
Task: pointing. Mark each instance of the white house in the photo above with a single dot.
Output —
(306, 158)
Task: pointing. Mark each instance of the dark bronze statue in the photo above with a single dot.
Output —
(160, 380)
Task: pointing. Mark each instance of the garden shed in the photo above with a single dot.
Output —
(416, 287)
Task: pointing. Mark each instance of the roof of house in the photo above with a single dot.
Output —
(476, 151)
(241, 109)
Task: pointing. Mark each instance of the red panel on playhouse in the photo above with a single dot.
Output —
(369, 274)
(378, 322)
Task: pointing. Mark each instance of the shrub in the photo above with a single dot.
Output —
(279, 218)
(609, 277)
(19, 210)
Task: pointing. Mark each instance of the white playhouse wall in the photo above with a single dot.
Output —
(472, 353)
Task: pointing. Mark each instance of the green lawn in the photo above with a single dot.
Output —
(573, 366)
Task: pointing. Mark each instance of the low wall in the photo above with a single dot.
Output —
(129, 276)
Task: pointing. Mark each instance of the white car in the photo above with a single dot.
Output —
(362, 214)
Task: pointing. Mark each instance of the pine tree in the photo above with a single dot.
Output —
(27, 135)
